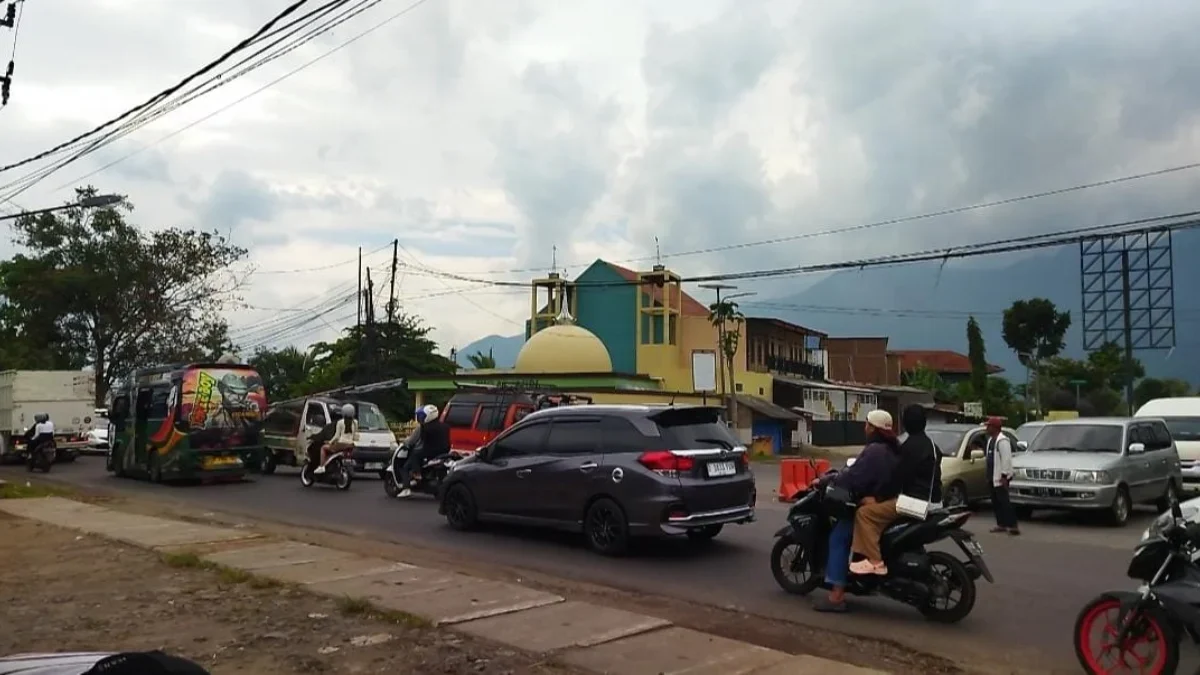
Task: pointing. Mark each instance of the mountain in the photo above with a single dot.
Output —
(925, 306)
(504, 350)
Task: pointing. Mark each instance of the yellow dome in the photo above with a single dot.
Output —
(563, 348)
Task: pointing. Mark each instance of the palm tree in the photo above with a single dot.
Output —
(481, 361)
(727, 319)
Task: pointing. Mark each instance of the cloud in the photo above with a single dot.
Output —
(482, 136)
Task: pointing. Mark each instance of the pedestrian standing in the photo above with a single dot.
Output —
(1000, 472)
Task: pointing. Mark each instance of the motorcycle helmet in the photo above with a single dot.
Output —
(431, 412)
(348, 412)
(41, 417)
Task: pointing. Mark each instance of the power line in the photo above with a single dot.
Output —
(303, 66)
(164, 93)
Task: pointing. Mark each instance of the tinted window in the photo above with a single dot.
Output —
(573, 437)
(620, 435)
(460, 415)
(520, 413)
(946, 440)
(491, 418)
(1162, 437)
(1078, 438)
(687, 429)
(528, 440)
(159, 400)
(1184, 428)
(315, 415)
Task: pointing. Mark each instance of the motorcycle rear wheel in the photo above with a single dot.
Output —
(307, 478)
(342, 478)
(781, 569)
(1155, 625)
(959, 579)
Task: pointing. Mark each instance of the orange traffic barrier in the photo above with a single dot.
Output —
(795, 475)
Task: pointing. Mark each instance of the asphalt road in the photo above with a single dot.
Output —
(1025, 618)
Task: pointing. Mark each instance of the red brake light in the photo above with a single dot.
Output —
(666, 462)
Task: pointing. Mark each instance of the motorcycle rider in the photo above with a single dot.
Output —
(345, 436)
(41, 432)
(430, 439)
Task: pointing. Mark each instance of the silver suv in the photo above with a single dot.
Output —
(1106, 464)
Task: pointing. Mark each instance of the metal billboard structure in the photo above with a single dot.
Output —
(1128, 291)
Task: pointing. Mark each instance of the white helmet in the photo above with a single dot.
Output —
(348, 411)
(426, 413)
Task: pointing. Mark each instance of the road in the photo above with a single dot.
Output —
(1042, 577)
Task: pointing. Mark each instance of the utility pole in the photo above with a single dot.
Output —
(370, 371)
(358, 321)
(391, 306)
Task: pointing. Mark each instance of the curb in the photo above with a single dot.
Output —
(590, 637)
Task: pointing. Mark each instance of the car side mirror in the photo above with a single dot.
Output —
(976, 453)
(1137, 448)
(485, 453)
(1022, 445)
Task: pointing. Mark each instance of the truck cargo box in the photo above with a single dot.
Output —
(68, 396)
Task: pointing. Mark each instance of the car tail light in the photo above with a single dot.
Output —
(746, 459)
(666, 463)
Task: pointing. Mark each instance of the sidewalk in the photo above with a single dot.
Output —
(585, 636)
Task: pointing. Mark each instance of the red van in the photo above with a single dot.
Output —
(476, 417)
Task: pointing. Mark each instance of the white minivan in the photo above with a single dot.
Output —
(1182, 415)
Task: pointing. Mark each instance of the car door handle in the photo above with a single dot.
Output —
(588, 466)
(523, 472)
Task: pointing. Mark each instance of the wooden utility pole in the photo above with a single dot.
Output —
(391, 306)
(370, 370)
(358, 322)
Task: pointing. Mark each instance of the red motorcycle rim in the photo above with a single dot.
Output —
(1126, 658)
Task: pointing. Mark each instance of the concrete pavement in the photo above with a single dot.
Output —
(1056, 566)
(595, 638)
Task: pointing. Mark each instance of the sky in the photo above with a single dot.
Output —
(495, 140)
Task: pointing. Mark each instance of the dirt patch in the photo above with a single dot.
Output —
(67, 592)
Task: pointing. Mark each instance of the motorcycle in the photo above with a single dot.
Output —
(338, 467)
(1157, 615)
(428, 479)
(40, 456)
(916, 576)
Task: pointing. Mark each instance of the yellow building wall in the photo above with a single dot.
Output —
(673, 363)
(647, 398)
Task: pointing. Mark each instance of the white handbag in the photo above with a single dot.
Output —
(918, 508)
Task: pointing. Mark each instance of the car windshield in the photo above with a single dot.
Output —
(1184, 428)
(947, 440)
(1028, 432)
(1078, 438)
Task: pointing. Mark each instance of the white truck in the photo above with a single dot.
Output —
(68, 396)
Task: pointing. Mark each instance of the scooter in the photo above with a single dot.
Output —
(338, 469)
(428, 479)
(918, 577)
(41, 456)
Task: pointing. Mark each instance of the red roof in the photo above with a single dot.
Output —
(691, 306)
(938, 360)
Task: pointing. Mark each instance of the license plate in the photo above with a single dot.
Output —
(717, 469)
(373, 466)
(1046, 492)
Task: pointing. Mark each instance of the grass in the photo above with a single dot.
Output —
(27, 490)
(228, 575)
(361, 607)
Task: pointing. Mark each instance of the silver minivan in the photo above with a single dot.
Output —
(1098, 464)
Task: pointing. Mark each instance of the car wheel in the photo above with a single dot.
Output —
(459, 506)
(956, 494)
(606, 528)
(1169, 497)
(1118, 513)
(704, 534)
(268, 464)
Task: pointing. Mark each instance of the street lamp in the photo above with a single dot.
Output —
(92, 202)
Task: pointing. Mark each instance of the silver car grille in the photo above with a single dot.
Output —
(1049, 474)
(1187, 463)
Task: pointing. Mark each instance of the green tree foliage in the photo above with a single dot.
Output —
(91, 288)
(1108, 362)
(1035, 327)
(1101, 379)
(924, 377)
(481, 361)
(283, 371)
(1151, 388)
(727, 316)
(977, 353)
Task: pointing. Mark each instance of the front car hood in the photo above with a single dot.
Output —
(69, 663)
(1086, 461)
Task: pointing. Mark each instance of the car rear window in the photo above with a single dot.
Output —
(685, 429)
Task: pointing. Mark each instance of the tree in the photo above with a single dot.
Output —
(977, 353)
(924, 377)
(115, 297)
(1035, 328)
(283, 371)
(481, 361)
(1108, 362)
(1151, 388)
(727, 318)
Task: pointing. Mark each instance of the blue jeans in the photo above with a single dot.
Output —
(837, 566)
